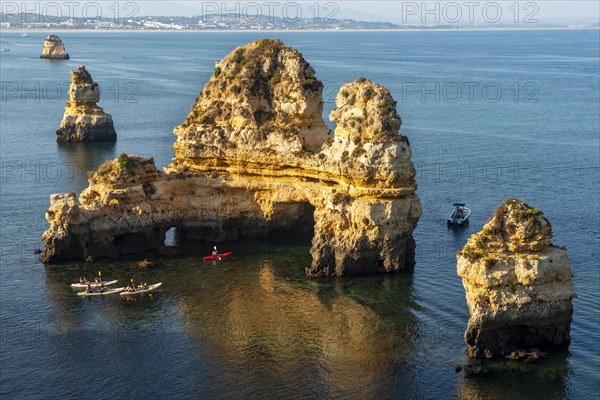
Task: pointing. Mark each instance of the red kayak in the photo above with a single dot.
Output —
(220, 256)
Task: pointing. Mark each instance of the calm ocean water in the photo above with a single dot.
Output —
(489, 115)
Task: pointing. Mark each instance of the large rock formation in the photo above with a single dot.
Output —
(263, 96)
(518, 285)
(84, 121)
(253, 159)
(54, 49)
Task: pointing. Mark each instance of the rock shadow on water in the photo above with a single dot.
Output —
(260, 320)
(347, 336)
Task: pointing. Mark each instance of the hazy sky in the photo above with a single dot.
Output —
(458, 12)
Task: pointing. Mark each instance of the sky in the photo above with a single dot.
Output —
(400, 12)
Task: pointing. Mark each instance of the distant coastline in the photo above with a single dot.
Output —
(62, 31)
(239, 22)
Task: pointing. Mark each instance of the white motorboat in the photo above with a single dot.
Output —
(460, 215)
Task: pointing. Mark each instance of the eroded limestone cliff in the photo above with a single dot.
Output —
(254, 158)
(518, 285)
(83, 120)
(54, 49)
(261, 96)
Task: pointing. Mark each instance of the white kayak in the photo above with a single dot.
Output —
(138, 291)
(92, 284)
(107, 292)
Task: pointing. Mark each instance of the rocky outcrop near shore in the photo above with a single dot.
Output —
(54, 49)
(518, 284)
(254, 158)
(84, 120)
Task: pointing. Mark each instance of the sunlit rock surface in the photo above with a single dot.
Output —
(54, 48)
(254, 158)
(83, 120)
(518, 285)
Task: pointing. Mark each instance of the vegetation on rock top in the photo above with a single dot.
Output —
(366, 111)
(248, 84)
(125, 169)
(515, 227)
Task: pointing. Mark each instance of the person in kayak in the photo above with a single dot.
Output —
(83, 279)
(98, 280)
(144, 286)
(89, 288)
(215, 253)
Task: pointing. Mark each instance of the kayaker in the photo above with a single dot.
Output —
(215, 253)
(144, 286)
(98, 280)
(89, 289)
(83, 279)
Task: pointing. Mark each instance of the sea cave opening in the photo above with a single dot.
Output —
(293, 221)
(170, 237)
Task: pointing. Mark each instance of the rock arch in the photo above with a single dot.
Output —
(237, 175)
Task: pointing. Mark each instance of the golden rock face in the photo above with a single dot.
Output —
(264, 94)
(84, 120)
(518, 285)
(54, 49)
(253, 158)
(366, 111)
(514, 227)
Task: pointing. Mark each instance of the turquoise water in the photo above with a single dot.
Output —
(254, 326)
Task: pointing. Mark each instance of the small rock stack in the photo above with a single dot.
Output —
(54, 49)
(84, 121)
(518, 284)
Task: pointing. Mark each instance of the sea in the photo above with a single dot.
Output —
(489, 115)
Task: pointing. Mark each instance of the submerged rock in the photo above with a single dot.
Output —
(83, 120)
(54, 49)
(518, 285)
(476, 370)
(145, 264)
(253, 159)
(525, 355)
